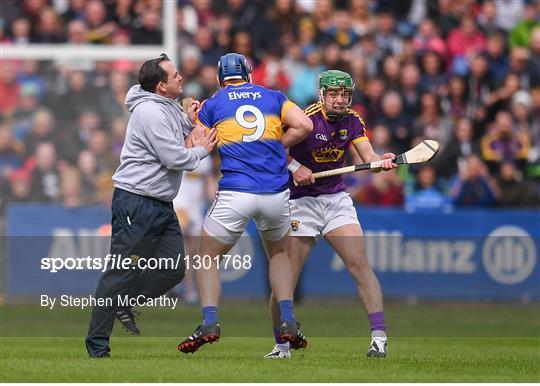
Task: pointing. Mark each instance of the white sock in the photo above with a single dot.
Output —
(378, 334)
(284, 346)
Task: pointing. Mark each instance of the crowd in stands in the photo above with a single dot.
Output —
(463, 72)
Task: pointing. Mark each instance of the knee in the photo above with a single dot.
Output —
(359, 266)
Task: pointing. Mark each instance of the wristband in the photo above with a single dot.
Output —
(294, 165)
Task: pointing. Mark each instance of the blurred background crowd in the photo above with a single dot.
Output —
(463, 72)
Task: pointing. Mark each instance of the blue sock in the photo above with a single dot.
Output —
(209, 315)
(286, 309)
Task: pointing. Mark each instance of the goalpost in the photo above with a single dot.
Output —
(104, 52)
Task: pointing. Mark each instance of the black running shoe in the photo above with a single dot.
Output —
(202, 335)
(127, 317)
(291, 333)
(106, 355)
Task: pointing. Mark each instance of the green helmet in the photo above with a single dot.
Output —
(335, 79)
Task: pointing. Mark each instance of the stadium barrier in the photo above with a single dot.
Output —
(461, 255)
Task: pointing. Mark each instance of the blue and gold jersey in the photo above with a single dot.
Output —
(248, 119)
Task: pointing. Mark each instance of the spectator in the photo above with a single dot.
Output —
(373, 100)
(387, 38)
(99, 145)
(304, 89)
(453, 155)
(341, 31)
(443, 15)
(455, 104)
(223, 33)
(149, 32)
(519, 64)
(385, 189)
(11, 150)
(190, 64)
(487, 18)
(112, 100)
(473, 186)
(433, 79)
(479, 86)
(124, 14)
(77, 31)
(49, 28)
(427, 39)
(391, 71)
(501, 98)
(270, 73)
(426, 194)
(381, 140)
(370, 52)
(410, 89)
(210, 51)
(243, 45)
(520, 35)
(534, 63)
(42, 131)
(100, 30)
(23, 116)
(363, 22)
(292, 61)
(307, 35)
(31, 79)
(9, 88)
(46, 175)
(509, 13)
(75, 11)
(21, 30)
(205, 15)
(118, 133)
(463, 42)
(521, 111)
(78, 135)
(397, 122)
(502, 142)
(322, 14)
(497, 58)
(277, 25)
(20, 185)
(79, 95)
(70, 188)
(431, 123)
(514, 191)
(534, 153)
(208, 81)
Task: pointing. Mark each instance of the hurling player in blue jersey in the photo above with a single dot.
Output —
(255, 184)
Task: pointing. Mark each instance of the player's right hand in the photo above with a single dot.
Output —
(303, 176)
(206, 140)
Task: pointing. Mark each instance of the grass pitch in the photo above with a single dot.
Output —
(428, 343)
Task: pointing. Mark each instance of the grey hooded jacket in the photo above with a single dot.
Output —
(154, 153)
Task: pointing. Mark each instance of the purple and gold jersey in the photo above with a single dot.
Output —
(249, 119)
(325, 149)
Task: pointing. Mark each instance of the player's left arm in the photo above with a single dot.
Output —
(367, 154)
(363, 146)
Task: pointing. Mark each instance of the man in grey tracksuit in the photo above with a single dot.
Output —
(144, 223)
